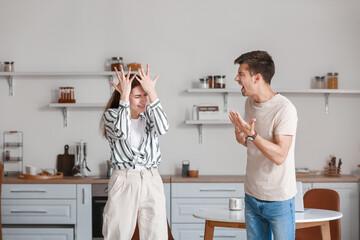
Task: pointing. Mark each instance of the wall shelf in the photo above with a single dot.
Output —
(65, 107)
(11, 75)
(226, 92)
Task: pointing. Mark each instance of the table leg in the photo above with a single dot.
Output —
(209, 230)
(325, 230)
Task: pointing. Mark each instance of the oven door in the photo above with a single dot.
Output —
(98, 204)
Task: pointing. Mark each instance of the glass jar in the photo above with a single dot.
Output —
(332, 80)
(72, 94)
(212, 81)
(319, 82)
(220, 81)
(204, 83)
(8, 66)
(116, 62)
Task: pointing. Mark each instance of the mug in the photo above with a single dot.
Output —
(30, 170)
(235, 204)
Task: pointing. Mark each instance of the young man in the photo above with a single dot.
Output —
(268, 131)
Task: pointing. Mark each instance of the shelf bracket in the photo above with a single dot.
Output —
(65, 113)
(326, 103)
(111, 78)
(226, 98)
(11, 86)
(200, 133)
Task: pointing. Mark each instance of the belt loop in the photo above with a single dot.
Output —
(152, 172)
(127, 172)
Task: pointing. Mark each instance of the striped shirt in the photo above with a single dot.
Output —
(118, 124)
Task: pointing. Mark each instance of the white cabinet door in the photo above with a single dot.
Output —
(36, 211)
(38, 233)
(196, 232)
(349, 207)
(306, 187)
(168, 199)
(84, 212)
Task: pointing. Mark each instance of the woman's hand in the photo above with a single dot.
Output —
(147, 84)
(124, 86)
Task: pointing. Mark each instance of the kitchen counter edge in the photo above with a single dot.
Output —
(178, 179)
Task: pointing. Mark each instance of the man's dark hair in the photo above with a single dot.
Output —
(258, 62)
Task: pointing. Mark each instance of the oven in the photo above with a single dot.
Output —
(99, 198)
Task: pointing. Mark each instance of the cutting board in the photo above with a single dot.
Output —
(65, 162)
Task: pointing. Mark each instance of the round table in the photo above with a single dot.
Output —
(235, 219)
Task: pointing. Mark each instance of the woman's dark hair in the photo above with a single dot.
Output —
(258, 62)
(114, 102)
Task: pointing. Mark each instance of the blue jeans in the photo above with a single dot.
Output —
(264, 218)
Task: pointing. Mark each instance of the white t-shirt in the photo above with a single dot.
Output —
(137, 131)
(264, 179)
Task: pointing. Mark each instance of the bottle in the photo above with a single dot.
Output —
(195, 114)
(212, 83)
(335, 79)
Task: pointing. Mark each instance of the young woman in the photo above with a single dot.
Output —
(133, 121)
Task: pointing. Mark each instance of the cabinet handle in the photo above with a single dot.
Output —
(83, 196)
(217, 190)
(24, 211)
(29, 191)
(221, 236)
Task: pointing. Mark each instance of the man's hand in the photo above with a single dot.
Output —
(248, 128)
(240, 137)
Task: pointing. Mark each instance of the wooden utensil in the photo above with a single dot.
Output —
(65, 162)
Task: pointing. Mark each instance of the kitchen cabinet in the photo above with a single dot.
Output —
(38, 233)
(187, 198)
(63, 209)
(226, 92)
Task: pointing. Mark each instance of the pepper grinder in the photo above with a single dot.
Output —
(185, 168)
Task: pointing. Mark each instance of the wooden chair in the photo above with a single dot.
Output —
(322, 199)
(136, 235)
(1, 179)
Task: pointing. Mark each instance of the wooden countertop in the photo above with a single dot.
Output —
(241, 179)
(178, 179)
(66, 180)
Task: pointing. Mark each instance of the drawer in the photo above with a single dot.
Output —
(182, 209)
(38, 211)
(196, 232)
(38, 191)
(221, 190)
(38, 233)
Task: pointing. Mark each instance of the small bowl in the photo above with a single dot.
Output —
(193, 173)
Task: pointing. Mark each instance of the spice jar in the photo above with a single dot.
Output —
(116, 62)
(212, 81)
(220, 81)
(204, 83)
(332, 80)
(8, 66)
(319, 82)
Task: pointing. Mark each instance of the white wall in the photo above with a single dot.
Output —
(182, 41)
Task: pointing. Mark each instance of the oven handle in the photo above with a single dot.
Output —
(100, 201)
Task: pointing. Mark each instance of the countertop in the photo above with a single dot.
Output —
(178, 179)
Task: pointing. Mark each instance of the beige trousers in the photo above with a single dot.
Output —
(135, 196)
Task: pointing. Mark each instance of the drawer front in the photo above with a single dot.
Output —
(38, 211)
(183, 208)
(221, 190)
(38, 233)
(196, 232)
(39, 191)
